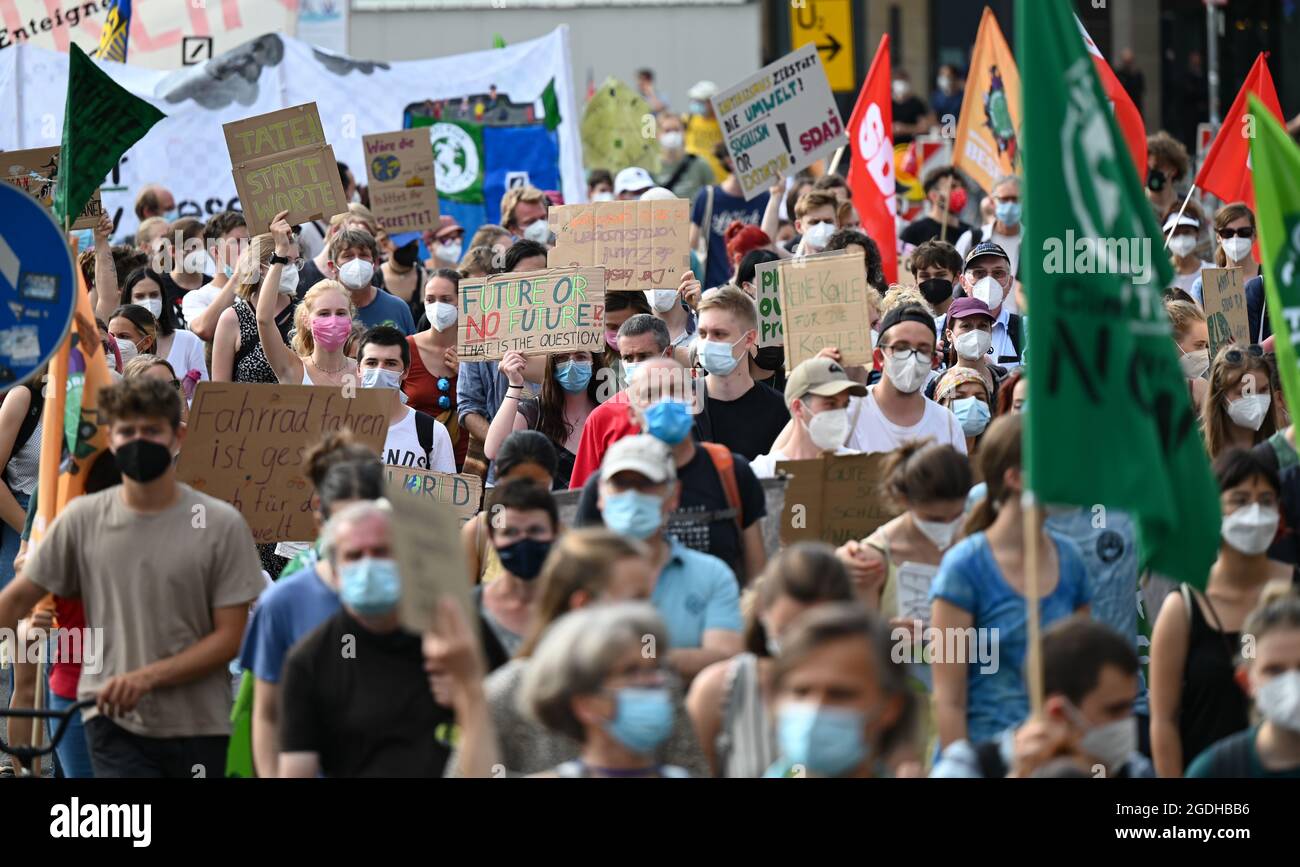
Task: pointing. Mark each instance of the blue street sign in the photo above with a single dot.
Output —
(38, 287)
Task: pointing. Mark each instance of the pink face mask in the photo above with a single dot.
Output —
(611, 339)
(331, 332)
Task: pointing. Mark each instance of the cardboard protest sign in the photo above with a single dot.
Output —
(767, 294)
(281, 162)
(399, 167)
(462, 491)
(834, 498)
(34, 171)
(824, 303)
(425, 538)
(1225, 307)
(541, 312)
(780, 120)
(914, 580)
(643, 245)
(246, 442)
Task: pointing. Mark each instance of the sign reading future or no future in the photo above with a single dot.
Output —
(779, 121)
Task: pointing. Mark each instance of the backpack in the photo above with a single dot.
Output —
(28, 427)
(725, 464)
(1013, 334)
(424, 426)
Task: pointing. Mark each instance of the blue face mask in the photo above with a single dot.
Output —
(629, 370)
(573, 376)
(1008, 213)
(973, 414)
(668, 421)
(826, 740)
(633, 514)
(643, 718)
(717, 358)
(370, 587)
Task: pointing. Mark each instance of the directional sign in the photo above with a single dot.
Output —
(828, 24)
(37, 286)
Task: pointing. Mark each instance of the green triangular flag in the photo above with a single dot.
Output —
(1109, 422)
(497, 41)
(101, 120)
(551, 105)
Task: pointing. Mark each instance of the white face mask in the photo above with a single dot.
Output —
(989, 291)
(444, 315)
(448, 252)
(1251, 528)
(973, 344)
(1111, 743)
(356, 273)
(1279, 701)
(127, 350)
(944, 82)
(153, 305)
(818, 235)
(661, 300)
(907, 375)
(829, 428)
(941, 533)
(288, 280)
(378, 377)
(672, 141)
(1236, 249)
(195, 262)
(602, 196)
(1249, 411)
(1195, 364)
(1181, 245)
(900, 89)
(356, 197)
(539, 231)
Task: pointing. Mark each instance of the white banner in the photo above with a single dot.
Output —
(186, 152)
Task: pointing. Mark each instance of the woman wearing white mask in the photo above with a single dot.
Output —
(430, 387)
(1197, 636)
(1271, 675)
(183, 350)
(965, 393)
(817, 394)
(1238, 408)
(1234, 234)
(968, 339)
(237, 354)
(1182, 247)
(1192, 337)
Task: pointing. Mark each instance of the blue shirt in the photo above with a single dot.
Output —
(726, 209)
(969, 578)
(695, 592)
(387, 309)
(285, 612)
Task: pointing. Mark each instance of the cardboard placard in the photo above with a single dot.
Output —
(834, 498)
(399, 168)
(539, 312)
(1225, 308)
(246, 441)
(780, 120)
(824, 303)
(767, 294)
(34, 171)
(281, 162)
(642, 245)
(462, 491)
(914, 580)
(425, 538)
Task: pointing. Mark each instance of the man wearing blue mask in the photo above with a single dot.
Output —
(1005, 230)
(415, 439)
(695, 593)
(355, 697)
(353, 255)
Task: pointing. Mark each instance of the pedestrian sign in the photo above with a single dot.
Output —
(828, 24)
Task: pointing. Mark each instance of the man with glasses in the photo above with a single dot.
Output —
(1004, 230)
(896, 410)
(988, 276)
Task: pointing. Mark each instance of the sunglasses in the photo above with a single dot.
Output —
(1238, 356)
(1244, 232)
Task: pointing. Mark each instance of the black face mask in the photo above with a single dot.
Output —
(405, 256)
(524, 558)
(143, 460)
(770, 357)
(1156, 180)
(935, 291)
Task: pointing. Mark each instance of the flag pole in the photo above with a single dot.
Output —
(943, 225)
(1030, 516)
(835, 160)
(1181, 211)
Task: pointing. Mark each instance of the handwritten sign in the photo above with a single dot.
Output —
(824, 303)
(780, 120)
(462, 491)
(914, 580)
(767, 294)
(425, 538)
(35, 170)
(246, 442)
(1225, 307)
(542, 312)
(399, 166)
(834, 498)
(282, 162)
(643, 245)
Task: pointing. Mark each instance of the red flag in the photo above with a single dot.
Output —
(1131, 125)
(1226, 172)
(871, 168)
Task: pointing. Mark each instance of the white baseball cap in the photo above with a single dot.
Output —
(702, 90)
(632, 179)
(1185, 220)
(657, 194)
(642, 453)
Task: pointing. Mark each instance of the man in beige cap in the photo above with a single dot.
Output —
(817, 394)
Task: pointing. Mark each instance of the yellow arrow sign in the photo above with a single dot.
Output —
(828, 24)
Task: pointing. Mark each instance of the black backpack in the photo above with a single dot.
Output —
(424, 424)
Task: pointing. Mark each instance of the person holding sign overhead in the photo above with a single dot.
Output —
(237, 351)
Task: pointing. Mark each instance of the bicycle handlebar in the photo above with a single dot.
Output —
(27, 753)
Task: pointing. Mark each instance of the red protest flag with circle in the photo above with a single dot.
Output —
(871, 169)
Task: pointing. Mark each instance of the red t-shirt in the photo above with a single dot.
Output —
(68, 614)
(607, 424)
(423, 394)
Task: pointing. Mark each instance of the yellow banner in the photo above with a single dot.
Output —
(987, 145)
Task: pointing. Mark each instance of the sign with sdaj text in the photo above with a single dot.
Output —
(399, 167)
(834, 498)
(1224, 295)
(281, 162)
(463, 492)
(780, 120)
(642, 245)
(34, 171)
(245, 445)
(824, 304)
(536, 312)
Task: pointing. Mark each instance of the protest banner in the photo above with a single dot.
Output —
(540, 312)
(462, 491)
(34, 171)
(834, 498)
(986, 147)
(824, 303)
(780, 120)
(643, 245)
(281, 162)
(246, 442)
(399, 166)
(767, 294)
(425, 539)
(1225, 307)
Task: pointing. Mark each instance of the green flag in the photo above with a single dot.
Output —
(498, 41)
(1275, 161)
(101, 120)
(551, 106)
(458, 160)
(1109, 420)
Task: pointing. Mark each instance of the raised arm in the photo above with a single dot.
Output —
(283, 360)
(106, 294)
